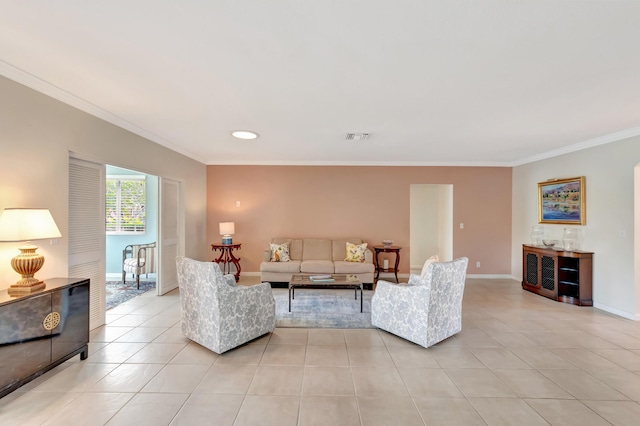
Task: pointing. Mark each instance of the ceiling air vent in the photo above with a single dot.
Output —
(357, 136)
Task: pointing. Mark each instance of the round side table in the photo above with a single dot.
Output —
(387, 249)
(227, 258)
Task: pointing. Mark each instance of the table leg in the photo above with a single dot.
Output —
(397, 264)
(377, 266)
(290, 299)
(361, 298)
(236, 263)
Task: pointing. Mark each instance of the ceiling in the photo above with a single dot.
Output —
(470, 82)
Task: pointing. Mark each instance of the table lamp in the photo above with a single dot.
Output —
(227, 229)
(26, 225)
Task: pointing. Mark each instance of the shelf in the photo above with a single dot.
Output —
(569, 283)
(568, 269)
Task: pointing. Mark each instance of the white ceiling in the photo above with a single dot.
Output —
(435, 82)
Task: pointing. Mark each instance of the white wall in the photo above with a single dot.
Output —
(609, 231)
(431, 221)
(37, 134)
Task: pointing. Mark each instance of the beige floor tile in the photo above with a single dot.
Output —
(476, 339)
(584, 359)
(90, 409)
(531, 384)
(262, 340)
(77, 378)
(127, 378)
(388, 411)
(288, 336)
(326, 337)
(129, 320)
(172, 335)
(247, 354)
(448, 411)
(499, 358)
(268, 410)
(193, 353)
(412, 356)
(149, 409)
(277, 380)
(115, 352)
(456, 357)
(327, 355)
(618, 413)
(625, 358)
(513, 339)
(108, 334)
(201, 409)
(164, 319)
(367, 337)
(284, 355)
(228, 379)
(34, 408)
(507, 412)
(582, 385)
(329, 410)
(479, 383)
(623, 340)
(374, 356)
(566, 412)
(542, 358)
(429, 383)
(625, 382)
(141, 334)
(553, 339)
(176, 378)
(378, 381)
(156, 353)
(330, 381)
(390, 339)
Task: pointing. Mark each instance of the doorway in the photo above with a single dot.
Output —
(431, 223)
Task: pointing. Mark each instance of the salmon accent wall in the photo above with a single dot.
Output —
(359, 201)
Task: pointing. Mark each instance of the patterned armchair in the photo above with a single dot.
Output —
(428, 309)
(218, 314)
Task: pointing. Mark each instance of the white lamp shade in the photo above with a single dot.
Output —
(27, 225)
(227, 228)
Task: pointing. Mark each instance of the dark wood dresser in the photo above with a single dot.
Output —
(42, 330)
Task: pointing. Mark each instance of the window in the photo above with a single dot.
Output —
(126, 205)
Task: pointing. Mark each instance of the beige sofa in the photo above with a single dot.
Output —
(316, 256)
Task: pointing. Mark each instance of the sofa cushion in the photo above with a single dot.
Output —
(339, 247)
(355, 252)
(316, 249)
(279, 252)
(343, 267)
(292, 266)
(295, 247)
(317, 266)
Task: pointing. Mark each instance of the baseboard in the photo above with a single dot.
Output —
(493, 276)
(617, 312)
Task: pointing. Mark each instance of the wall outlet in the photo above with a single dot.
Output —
(477, 264)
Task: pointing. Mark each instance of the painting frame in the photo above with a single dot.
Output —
(562, 201)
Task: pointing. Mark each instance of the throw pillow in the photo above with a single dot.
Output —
(355, 252)
(428, 262)
(279, 252)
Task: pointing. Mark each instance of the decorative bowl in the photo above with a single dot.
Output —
(549, 243)
(387, 243)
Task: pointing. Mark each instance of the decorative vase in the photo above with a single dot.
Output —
(570, 239)
(537, 234)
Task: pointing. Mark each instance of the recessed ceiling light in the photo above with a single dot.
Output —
(244, 134)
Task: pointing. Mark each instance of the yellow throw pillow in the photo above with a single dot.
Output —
(279, 252)
(355, 252)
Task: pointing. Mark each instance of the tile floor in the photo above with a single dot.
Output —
(520, 360)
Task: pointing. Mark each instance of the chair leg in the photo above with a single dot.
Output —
(124, 277)
(138, 280)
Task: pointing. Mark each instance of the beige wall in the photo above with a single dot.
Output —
(36, 135)
(609, 231)
(367, 202)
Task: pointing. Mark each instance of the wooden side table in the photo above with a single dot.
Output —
(227, 258)
(387, 249)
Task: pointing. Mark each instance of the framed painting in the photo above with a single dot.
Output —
(562, 201)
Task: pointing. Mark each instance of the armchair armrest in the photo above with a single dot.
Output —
(368, 256)
(266, 255)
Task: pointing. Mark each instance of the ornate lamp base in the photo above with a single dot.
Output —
(27, 263)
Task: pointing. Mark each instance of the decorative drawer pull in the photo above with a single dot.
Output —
(51, 321)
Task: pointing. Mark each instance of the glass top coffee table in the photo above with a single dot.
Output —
(332, 281)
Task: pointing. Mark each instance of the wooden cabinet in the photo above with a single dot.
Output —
(41, 330)
(557, 274)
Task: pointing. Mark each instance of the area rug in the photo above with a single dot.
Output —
(328, 308)
(118, 293)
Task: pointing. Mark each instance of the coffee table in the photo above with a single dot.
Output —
(339, 281)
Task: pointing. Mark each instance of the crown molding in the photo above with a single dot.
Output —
(359, 163)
